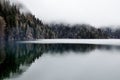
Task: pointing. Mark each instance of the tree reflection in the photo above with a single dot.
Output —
(14, 57)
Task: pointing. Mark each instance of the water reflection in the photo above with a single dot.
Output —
(16, 58)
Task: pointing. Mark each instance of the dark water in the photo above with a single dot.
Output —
(59, 62)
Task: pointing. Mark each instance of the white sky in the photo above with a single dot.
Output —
(94, 12)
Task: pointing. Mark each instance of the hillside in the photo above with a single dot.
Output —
(19, 26)
(80, 31)
(15, 25)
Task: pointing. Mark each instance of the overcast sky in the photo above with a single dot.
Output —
(94, 12)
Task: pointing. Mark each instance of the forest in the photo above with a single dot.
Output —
(16, 25)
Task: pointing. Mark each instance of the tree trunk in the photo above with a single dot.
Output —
(2, 28)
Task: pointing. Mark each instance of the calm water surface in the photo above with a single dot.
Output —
(59, 62)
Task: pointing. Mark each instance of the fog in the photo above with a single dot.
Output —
(21, 6)
(94, 12)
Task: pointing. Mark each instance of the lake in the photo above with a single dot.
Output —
(60, 61)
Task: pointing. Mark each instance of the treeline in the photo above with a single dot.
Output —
(15, 25)
(80, 31)
(112, 32)
(20, 26)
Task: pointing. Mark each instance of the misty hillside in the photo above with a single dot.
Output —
(19, 26)
(15, 25)
(81, 31)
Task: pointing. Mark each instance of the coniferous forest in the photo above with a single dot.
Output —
(17, 25)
